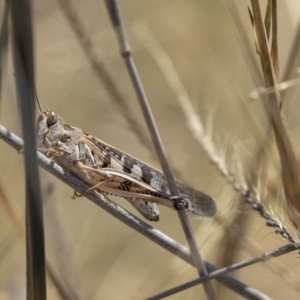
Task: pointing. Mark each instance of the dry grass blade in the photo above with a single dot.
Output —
(274, 44)
(290, 174)
(24, 71)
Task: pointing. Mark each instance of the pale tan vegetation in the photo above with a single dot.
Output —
(200, 68)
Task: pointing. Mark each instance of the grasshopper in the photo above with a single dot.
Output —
(113, 172)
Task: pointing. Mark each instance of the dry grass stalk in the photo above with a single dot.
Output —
(197, 128)
(290, 173)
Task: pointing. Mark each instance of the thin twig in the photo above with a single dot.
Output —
(116, 19)
(127, 218)
(264, 257)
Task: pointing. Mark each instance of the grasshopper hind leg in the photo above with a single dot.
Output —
(148, 209)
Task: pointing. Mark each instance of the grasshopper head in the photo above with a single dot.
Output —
(54, 137)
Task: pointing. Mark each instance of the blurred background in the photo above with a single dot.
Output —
(96, 254)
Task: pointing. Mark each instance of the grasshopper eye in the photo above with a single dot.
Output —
(52, 118)
(65, 138)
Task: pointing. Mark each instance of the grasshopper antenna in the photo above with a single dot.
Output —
(37, 102)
